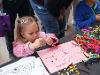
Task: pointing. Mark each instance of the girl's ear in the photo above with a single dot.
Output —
(22, 34)
(23, 38)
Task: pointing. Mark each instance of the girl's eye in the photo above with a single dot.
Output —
(37, 32)
(30, 33)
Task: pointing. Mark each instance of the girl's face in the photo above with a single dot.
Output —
(30, 32)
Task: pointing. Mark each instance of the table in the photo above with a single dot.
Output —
(85, 69)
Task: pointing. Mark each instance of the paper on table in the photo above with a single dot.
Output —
(25, 66)
(60, 57)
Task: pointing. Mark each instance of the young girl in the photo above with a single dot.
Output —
(29, 37)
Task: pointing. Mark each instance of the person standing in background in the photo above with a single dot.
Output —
(52, 15)
(9, 7)
(4, 54)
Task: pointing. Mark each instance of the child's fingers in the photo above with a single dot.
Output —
(49, 41)
(42, 42)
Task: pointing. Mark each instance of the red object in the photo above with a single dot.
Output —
(55, 43)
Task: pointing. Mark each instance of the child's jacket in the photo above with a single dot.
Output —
(84, 15)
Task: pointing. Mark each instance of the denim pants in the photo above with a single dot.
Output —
(50, 24)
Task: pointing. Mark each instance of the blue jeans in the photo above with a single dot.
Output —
(50, 24)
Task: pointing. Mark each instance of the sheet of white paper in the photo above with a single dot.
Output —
(25, 66)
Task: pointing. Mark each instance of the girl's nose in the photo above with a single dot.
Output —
(35, 35)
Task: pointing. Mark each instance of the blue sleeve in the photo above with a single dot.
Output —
(80, 21)
(98, 8)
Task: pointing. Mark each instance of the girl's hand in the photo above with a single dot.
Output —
(38, 43)
(49, 41)
(52, 41)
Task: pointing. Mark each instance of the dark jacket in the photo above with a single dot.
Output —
(22, 7)
(54, 6)
(9, 6)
